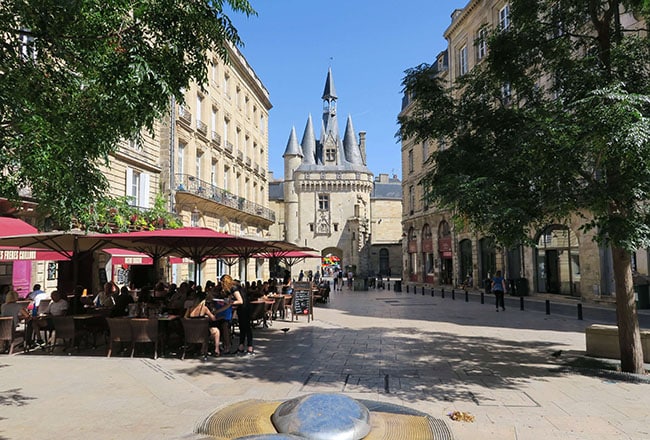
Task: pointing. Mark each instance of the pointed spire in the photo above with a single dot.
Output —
(329, 92)
(350, 146)
(293, 147)
(309, 143)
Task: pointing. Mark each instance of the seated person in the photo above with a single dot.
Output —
(200, 310)
(106, 297)
(222, 303)
(58, 306)
(160, 290)
(37, 295)
(121, 307)
(13, 309)
(76, 304)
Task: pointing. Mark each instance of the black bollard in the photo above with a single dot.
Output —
(407, 288)
(422, 290)
(453, 294)
(432, 289)
(580, 312)
(482, 297)
(443, 292)
(466, 297)
(521, 303)
(548, 307)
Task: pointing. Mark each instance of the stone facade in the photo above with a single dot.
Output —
(566, 261)
(209, 159)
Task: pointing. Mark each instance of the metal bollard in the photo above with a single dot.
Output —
(580, 312)
(422, 290)
(443, 292)
(521, 303)
(548, 307)
(432, 290)
(482, 297)
(466, 297)
(453, 294)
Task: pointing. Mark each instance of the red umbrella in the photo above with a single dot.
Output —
(12, 226)
(197, 244)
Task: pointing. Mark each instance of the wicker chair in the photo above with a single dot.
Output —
(197, 331)
(119, 330)
(9, 335)
(145, 330)
(63, 329)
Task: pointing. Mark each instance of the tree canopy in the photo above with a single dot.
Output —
(79, 76)
(553, 123)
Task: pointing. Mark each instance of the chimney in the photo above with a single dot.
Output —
(362, 146)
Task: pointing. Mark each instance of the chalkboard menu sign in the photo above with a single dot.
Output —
(302, 303)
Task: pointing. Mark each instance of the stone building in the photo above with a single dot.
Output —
(330, 201)
(207, 160)
(565, 261)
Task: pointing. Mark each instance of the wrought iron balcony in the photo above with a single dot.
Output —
(206, 190)
(201, 127)
(184, 115)
(216, 138)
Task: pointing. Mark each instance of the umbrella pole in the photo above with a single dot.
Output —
(196, 272)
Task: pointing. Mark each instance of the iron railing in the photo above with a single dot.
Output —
(188, 183)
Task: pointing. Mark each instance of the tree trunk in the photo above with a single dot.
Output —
(629, 337)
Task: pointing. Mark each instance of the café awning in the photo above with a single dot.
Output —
(13, 226)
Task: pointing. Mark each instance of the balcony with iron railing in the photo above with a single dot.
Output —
(216, 138)
(229, 147)
(184, 115)
(201, 127)
(186, 183)
(240, 156)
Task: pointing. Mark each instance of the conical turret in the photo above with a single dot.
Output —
(293, 147)
(309, 143)
(350, 146)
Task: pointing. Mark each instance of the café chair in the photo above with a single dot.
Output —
(288, 303)
(145, 330)
(43, 305)
(119, 330)
(64, 329)
(9, 335)
(196, 331)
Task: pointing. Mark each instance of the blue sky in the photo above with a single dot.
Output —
(369, 44)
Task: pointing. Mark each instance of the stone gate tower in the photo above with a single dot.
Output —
(327, 189)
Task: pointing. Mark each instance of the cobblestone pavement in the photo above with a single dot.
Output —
(433, 354)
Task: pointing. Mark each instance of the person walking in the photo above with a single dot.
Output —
(499, 290)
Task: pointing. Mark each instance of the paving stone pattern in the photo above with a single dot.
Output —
(431, 354)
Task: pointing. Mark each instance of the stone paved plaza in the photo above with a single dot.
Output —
(432, 354)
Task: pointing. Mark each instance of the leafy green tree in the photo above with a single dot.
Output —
(78, 76)
(553, 123)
